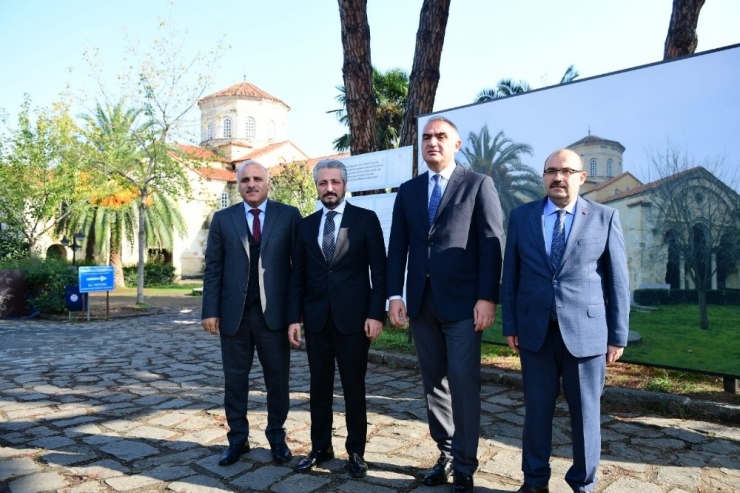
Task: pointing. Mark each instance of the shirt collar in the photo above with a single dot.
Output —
(262, 207)
(446, 173)
(551, 208)
(338, 209)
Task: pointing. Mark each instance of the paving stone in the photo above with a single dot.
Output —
(632, 485)
(261, 478)
(126, 483)
(53, 442)
(43, 481)
(199, 484)
(129, 449)
(679, 476)
(17, 467)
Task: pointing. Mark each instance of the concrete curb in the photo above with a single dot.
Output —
(642, 399)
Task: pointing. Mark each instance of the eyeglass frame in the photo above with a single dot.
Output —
(567, 172)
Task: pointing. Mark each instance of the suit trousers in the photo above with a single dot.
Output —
(449, 359)
(237, 354)
(350, 352)
(583, 383)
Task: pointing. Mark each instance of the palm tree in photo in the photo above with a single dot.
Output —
(510, 87)
(501, 159)
(391, 92)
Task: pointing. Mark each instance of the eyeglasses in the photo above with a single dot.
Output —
(564, 171)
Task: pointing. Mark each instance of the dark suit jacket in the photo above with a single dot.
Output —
(591, 286)
(227, 265)
(345, 287)
(461, 252)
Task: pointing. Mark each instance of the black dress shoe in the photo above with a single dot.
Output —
(357, 466)
(315, 457)
(463, 483)
(232, 454)
(280, 452)
(528, 488)
(440, 472)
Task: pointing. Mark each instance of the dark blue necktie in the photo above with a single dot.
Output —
(327, 242)
(557, 247)
(434, 200)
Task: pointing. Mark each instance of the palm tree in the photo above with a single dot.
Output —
(113, 215)
(509, 87)
(391, 92)
(501, 159)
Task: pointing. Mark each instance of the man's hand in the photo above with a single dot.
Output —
(484, 314)
(373, 328)
(294, 334)
(613, 353)
(513, 342)
(211, 325)
(397, 312)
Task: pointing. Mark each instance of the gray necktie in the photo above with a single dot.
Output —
(327, 242)
(557, 247)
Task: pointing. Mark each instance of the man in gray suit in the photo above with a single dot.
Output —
(448, 224)
(245, 297)
(566, 311)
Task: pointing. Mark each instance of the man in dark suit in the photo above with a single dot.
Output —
(245, 295)
(566, 311)
(448, 222)
(338, 289)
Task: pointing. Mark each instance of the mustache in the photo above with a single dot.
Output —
(329, 194)
(252, 189)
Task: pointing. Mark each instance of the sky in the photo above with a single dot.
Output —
(292, 48)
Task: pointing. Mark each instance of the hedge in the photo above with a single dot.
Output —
(686, 296)
(155, 274)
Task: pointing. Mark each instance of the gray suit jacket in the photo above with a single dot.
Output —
(227, 265)
(591, 286)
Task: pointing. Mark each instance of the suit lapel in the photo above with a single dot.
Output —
(422, 197)
(580, 219)
(314, 221)
(536, 212)
(455, 180)
(348, 218)
(239, 219)
(272, 213)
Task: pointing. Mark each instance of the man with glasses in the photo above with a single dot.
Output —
(566, 304)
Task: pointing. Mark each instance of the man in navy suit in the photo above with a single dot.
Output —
(338, 290)
(448, 223)
(566, 311)
(245, 297)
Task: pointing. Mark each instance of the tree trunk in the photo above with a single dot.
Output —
(358, 76)
(682, 39)
(424, 77)
(115, 261)
(703, 316)
(142, 250)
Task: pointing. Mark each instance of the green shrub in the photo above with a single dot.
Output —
(46, 279)
(155, 274)
(12, 246)
(686, 297)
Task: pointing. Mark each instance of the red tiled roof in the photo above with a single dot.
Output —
(611, 180)
(593, 139)
(244, 90)
(198, 152)
(218, 174)
(264, 150)
(652, 185)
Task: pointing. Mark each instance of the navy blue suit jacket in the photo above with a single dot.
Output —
(461, 252)
(591, 286)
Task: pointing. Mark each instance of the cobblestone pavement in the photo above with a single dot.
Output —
(136, 405)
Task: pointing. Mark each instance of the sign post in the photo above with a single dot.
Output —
(94, 279)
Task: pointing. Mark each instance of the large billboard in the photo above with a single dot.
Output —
(635, 130)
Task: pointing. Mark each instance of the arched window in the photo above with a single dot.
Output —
(251, 128)
(592, 170)
(609, 168)
(224, 200)
(270, 130)
(209, 131)
(227, 128)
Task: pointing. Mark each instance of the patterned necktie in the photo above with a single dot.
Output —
(256, 225)
(557, 247)
(327, 243)
(434, 200)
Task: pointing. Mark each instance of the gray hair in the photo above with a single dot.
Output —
(440, 118)
(330, 164)
(251, 162)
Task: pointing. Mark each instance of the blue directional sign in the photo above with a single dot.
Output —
(96, 278)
